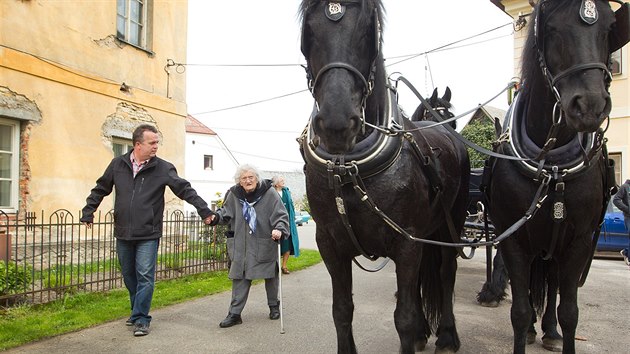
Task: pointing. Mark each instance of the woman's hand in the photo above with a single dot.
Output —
(276, 234)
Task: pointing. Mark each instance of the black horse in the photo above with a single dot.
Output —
(555, 123)
(373, 185)
(441, 105)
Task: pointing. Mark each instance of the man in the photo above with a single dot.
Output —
(622, 201)
(140, 178)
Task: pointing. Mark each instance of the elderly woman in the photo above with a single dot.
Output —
(258, 219)
(290, 246)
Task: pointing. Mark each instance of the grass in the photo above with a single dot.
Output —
(24, 324)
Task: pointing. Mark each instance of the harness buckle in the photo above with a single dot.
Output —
(340, 206)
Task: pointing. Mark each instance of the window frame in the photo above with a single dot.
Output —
(617, 156)
(620, 61)
(208, 166)
(121, 141)
(144, 22)
(14, 177)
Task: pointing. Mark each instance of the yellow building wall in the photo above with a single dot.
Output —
(65, 59)
(618, 133)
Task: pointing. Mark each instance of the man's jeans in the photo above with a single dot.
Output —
(626, 251)
(137, 261)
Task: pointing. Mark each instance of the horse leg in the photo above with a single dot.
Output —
(531, 331)
(448, 339)
(568, 312)
(552, 340)
(340, 271)
(408, 316)
(518, 266)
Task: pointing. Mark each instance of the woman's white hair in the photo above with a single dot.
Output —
(240, 170)
(276, 179)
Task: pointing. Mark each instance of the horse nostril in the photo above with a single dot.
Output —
(355, 122)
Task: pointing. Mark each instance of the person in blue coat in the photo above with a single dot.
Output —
(290, 246)
(622, 201)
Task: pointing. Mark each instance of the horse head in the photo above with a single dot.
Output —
(572, 41)
(341, 44)
(441, 105)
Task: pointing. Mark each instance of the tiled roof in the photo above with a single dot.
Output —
(195, 126)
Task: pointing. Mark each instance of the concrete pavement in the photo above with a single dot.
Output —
(192, 327)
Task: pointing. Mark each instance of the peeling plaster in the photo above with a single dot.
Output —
(109, 42)
(16, 106)
(122, 123)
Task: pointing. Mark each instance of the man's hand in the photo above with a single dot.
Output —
(276, 234)
(87, 224)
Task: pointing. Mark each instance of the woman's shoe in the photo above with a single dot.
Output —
(285, 270)
(231, 320)
(274, 312)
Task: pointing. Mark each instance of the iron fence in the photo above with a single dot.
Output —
(44, 258)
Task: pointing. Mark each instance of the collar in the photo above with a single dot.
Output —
(132, 157)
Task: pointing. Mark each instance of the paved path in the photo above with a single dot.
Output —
(192, 327)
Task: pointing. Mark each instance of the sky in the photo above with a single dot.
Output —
(244, 78)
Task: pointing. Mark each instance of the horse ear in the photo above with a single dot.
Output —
(447, 94)
(620, 34)
(303, 44)
(497, 128)
(434, 95)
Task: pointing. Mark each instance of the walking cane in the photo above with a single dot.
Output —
(280, 288)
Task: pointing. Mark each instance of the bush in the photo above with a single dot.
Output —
(13, 279)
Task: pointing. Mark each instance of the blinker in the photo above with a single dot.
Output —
(335, 11)
(620, 35)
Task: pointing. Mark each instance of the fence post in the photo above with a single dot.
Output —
(5, 237)
(5, 246)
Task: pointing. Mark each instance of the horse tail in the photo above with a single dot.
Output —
(493, 292)
(431, 288)
(538, 284)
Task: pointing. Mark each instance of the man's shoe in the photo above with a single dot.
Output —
(274, 312)
(231, 320)
(140, 329)
(129, 322)
(624, 254)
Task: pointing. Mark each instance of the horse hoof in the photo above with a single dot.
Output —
(553, 345)
(489, 304)
(531, 338)
(444, 351)
(420, 345)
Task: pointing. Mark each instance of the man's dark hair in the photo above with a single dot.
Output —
(138, 133)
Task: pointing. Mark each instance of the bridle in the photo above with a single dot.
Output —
(334, 12)
(441, 110)
(589, 15)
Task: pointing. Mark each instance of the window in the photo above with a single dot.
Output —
(616, 156)
(121, 146)
(132, 22)
(615, 62)
(9, 163)
(207, 162)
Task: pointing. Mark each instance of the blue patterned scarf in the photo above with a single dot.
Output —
(249, 213)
